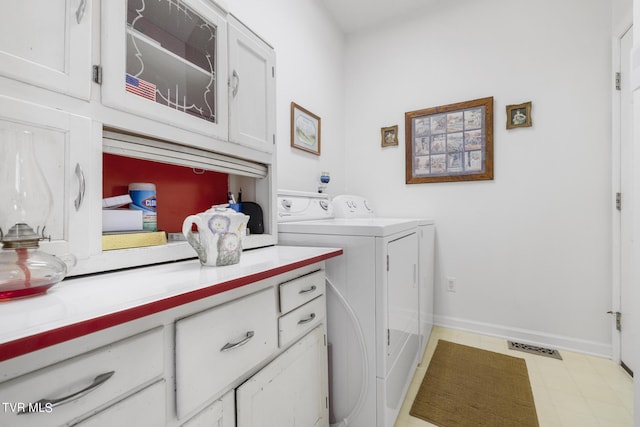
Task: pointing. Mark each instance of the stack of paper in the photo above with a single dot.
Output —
(122, 228)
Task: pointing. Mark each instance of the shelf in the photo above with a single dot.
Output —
(179, 83)
(163, 54)
(176, 26)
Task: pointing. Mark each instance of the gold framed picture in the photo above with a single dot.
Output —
(389, 136)
(450, 143)
(305, 130)
(519, 116)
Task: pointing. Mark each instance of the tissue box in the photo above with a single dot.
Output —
(121, 220)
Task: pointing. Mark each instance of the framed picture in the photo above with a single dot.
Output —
(389, 136)
(305, 130)
(450, 143)
(519, 116)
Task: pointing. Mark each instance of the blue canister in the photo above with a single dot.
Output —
(236, 206)
(143, 197)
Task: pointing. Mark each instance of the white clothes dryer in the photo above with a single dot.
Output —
(373, 303)
(350, 206)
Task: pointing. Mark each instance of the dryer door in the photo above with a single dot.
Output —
(402, 306)
(402, 293)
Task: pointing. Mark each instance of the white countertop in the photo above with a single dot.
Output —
(78, 306)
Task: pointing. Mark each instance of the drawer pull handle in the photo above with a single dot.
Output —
(308, 319)
(306, 291)
(81, 187)
(236, 86)
(80, 11)
(230, 346)
(52, 403)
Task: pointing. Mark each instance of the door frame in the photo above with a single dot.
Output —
(616, 141)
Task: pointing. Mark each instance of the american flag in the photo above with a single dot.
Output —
(141, 88)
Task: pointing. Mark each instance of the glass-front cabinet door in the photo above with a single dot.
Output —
(166, 60)
(64, 150)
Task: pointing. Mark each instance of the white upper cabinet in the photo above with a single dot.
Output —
(172, 72)
(190, 65)
(166, 60)
(63, 147)
(61, 61)
(251, 88)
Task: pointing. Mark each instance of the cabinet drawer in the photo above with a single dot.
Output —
(134, 362)
(301, 290)
(216, 347)
(301, 320)
(146, 408)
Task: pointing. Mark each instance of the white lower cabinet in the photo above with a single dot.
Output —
(281, 329)
(217, 346)
(221, 413)
(237, 362)
(290, 391)
(71, 390)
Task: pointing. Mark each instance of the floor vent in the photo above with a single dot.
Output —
(534, 349)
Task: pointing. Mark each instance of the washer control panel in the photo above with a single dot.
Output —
(349, 206)
(303, 206)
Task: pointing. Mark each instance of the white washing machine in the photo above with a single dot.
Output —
(374, 319)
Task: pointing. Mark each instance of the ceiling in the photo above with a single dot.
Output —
(356, 15)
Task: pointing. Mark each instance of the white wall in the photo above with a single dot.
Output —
(530, 250)
(309, 65)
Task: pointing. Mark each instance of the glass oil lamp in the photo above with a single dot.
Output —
(25, 202)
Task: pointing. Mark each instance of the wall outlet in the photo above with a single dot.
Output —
(451, 284)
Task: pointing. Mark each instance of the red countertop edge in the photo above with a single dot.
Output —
(52, 337)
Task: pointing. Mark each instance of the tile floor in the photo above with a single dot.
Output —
(578, 391)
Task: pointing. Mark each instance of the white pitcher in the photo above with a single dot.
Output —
(220, 233)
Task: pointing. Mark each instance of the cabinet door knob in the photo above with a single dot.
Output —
(52, 403)
(230, 346)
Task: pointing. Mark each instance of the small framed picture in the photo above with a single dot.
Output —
(389, 136)
(519, 116)
(305, 130)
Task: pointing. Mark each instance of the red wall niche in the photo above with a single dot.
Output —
(180, 191)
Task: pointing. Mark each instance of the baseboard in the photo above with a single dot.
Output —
(526, 336)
